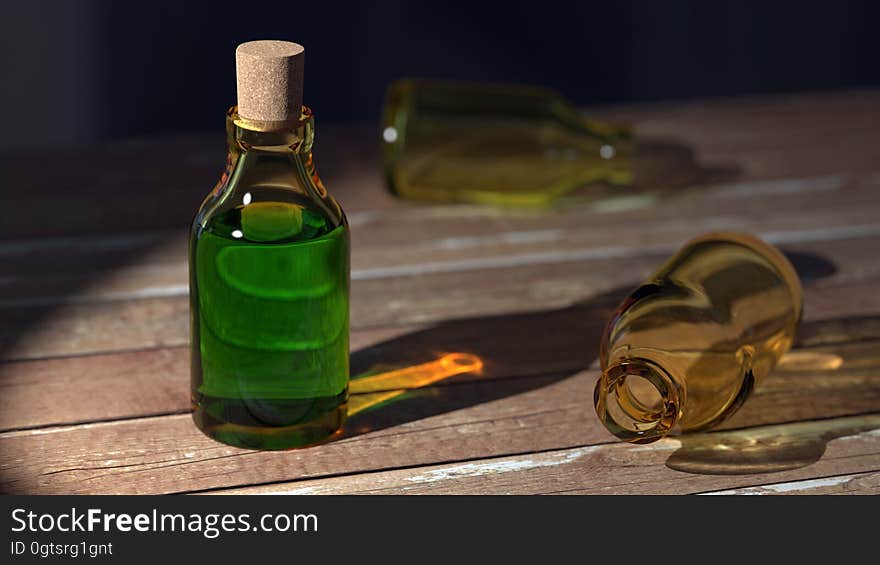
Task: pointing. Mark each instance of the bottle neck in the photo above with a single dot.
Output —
(270, 145)
(615, 140)
(288, 137)
(638, 401)
(274, 158)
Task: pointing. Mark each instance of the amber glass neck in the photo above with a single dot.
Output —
(638, 400)
(277, 155)
(291, 136)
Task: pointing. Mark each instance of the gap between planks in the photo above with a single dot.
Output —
(835, 484)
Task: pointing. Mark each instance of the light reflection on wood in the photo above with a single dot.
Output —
(810, 361)
(368, 392)
(767, 449)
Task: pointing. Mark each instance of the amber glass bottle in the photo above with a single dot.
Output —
(686, 348)
(269, 273)
(496, 144)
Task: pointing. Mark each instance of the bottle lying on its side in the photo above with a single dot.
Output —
(496, 144)
(686, 348)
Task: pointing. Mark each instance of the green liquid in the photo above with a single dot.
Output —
(270, 316)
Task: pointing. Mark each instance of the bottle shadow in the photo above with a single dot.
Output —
(828, 387)
(770, 449)
(465, 362)
(662, 168)
(669, 165)
(461, 363)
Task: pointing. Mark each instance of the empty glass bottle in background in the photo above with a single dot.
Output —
(495, 144)
(686, 348)
(269, 272)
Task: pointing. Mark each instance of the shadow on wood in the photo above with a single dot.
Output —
(671, 165)
(663, 169)
(833, 371)
(769, 449)
(515, 353)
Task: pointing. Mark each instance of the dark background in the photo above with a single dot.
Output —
(91, 70)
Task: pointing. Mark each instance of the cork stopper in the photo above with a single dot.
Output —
(270, 79)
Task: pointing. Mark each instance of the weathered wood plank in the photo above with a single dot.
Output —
(140, 383)
(168, 454)
(120, 188)
(144, 279)
(29, 332)
(386, 239)
(90, 388)
(497, 262)
(109, 191)
(425, 426)
(154, 381)
(618, 468)
(859, 483)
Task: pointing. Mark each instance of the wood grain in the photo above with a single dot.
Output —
(392, 241)
(615, 468)
(90, 388)
(859, 483)
(121, 187)
(94, 318)
(425, 426)
(32, 332)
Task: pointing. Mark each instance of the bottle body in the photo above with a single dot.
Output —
(269, 290)
(687, 347)
(489, 144)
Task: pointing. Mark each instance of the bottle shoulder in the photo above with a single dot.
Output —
(272, 201)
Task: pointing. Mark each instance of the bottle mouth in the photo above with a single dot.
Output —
(638, 401)
(292, 123)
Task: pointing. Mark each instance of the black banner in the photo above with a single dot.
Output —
(287, 529)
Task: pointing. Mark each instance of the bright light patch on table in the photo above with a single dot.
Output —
(606, 152)
(810, 361)
(237, 234)
(389, 134)
(380, 388)
(246, 199)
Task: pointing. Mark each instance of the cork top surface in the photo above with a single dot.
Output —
(270, 48)
(269, 77)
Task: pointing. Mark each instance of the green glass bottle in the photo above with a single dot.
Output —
(269, 272)
(497, 144)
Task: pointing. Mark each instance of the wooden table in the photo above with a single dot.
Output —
(94, 319)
